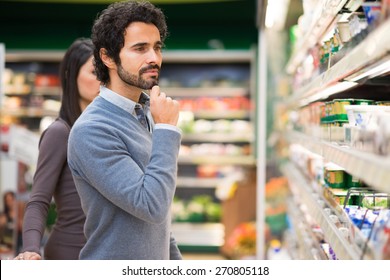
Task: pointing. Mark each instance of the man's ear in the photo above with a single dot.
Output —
(108, 61)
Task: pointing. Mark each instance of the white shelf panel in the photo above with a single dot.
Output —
(372, 169)
(191, 182)
(37, 55)
(233, 114)
(56, 91)
(206, 91)
(28, 112)
(207, 234)
(218, 160)
(312, 144)
(193, 56)
(207, 56)
(218, 137)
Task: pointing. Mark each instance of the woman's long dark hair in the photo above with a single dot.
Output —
(77, 54)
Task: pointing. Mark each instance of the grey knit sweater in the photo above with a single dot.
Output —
(126, 180)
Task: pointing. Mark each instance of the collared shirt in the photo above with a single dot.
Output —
(129, 106)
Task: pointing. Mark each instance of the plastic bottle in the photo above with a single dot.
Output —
(277, 252)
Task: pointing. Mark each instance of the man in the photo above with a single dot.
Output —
(124, 173)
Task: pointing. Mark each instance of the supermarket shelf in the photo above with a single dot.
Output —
(342, 247)
(373, 169)
(38, 55)
(206, 92)
(218, 137)
(191, 182)
(372, 52)
(323, 16)
(309, 248)
(208, 56)
(56, 91)
(218, 159)
(311, 143)
(227, 114)
(197, 56)
(30, 112)
(207, 234)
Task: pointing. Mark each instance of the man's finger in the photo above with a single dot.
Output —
(154, 92)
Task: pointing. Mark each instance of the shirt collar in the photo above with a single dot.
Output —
(144, 99)
(122, 102)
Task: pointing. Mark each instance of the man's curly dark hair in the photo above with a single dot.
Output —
(109, 29)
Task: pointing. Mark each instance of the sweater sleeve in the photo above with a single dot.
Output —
(174, 253)
(51, 159)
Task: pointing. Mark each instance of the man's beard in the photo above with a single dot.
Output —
(138, 81)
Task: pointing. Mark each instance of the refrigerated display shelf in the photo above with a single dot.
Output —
(218, 160)
(322, 17)
(207, 56)
(30, 112)
(344, 248)
(206, 91)
(230, 137)
(308, 246)
(190, 182)
(219, 114)
(372, 52)
(373, 169)
(202, 234)
(53, 91)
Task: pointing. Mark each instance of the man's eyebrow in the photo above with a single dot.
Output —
(142, 44)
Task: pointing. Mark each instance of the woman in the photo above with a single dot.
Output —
(8, 219)
(53, 177)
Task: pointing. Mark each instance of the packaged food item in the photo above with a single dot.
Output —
(382, 103)
(344, 31)
(47, 80)
(334, 176)
(352, 181)
(340, 195)
(376, 201)
(328, 112)
(339, 110)
(372, 11)
(362, 102)
(381, 236)
(337, 130)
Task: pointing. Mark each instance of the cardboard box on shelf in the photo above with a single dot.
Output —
(241, 207)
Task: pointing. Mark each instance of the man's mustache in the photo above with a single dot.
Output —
(150, 67)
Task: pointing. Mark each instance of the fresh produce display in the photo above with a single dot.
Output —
(199, 209)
